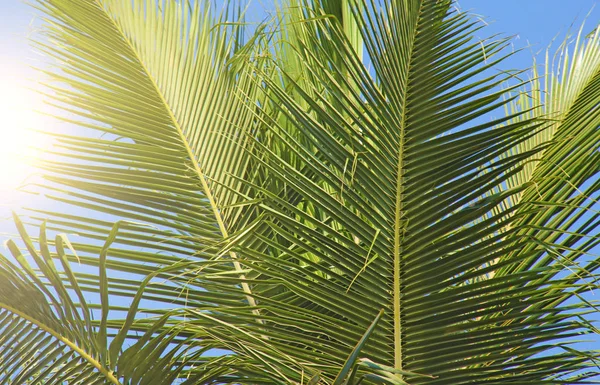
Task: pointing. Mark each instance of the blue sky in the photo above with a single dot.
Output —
(534, 23)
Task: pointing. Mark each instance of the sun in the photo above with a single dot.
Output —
(18, 138)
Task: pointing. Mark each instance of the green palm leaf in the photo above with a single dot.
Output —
(408, 215)
(48, 338)
(164, 163)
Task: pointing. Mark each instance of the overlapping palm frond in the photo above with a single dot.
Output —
(565, 174)
(396, 188)
(48, 334)
(175, 130)
(275, 193)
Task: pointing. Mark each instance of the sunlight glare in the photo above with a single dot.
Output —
(18, 141)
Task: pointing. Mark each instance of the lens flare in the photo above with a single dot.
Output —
(18, 140)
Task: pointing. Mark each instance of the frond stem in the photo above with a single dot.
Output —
(190, 153)
(82, 353)
(400, 223)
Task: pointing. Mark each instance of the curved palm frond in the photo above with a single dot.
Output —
(565, 174)
(47, 337)
(408, 226)
(163, 163)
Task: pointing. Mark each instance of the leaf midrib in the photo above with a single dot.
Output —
(188, 149)
(399, 212)
(73, 346)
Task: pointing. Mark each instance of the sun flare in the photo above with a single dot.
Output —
(18, 140)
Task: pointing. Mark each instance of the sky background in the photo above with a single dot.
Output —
(533, 23)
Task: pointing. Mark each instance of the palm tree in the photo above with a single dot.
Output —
(321, 199)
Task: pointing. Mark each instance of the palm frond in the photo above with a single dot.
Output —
(175, 128)
(408, 228)
(47, 337)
